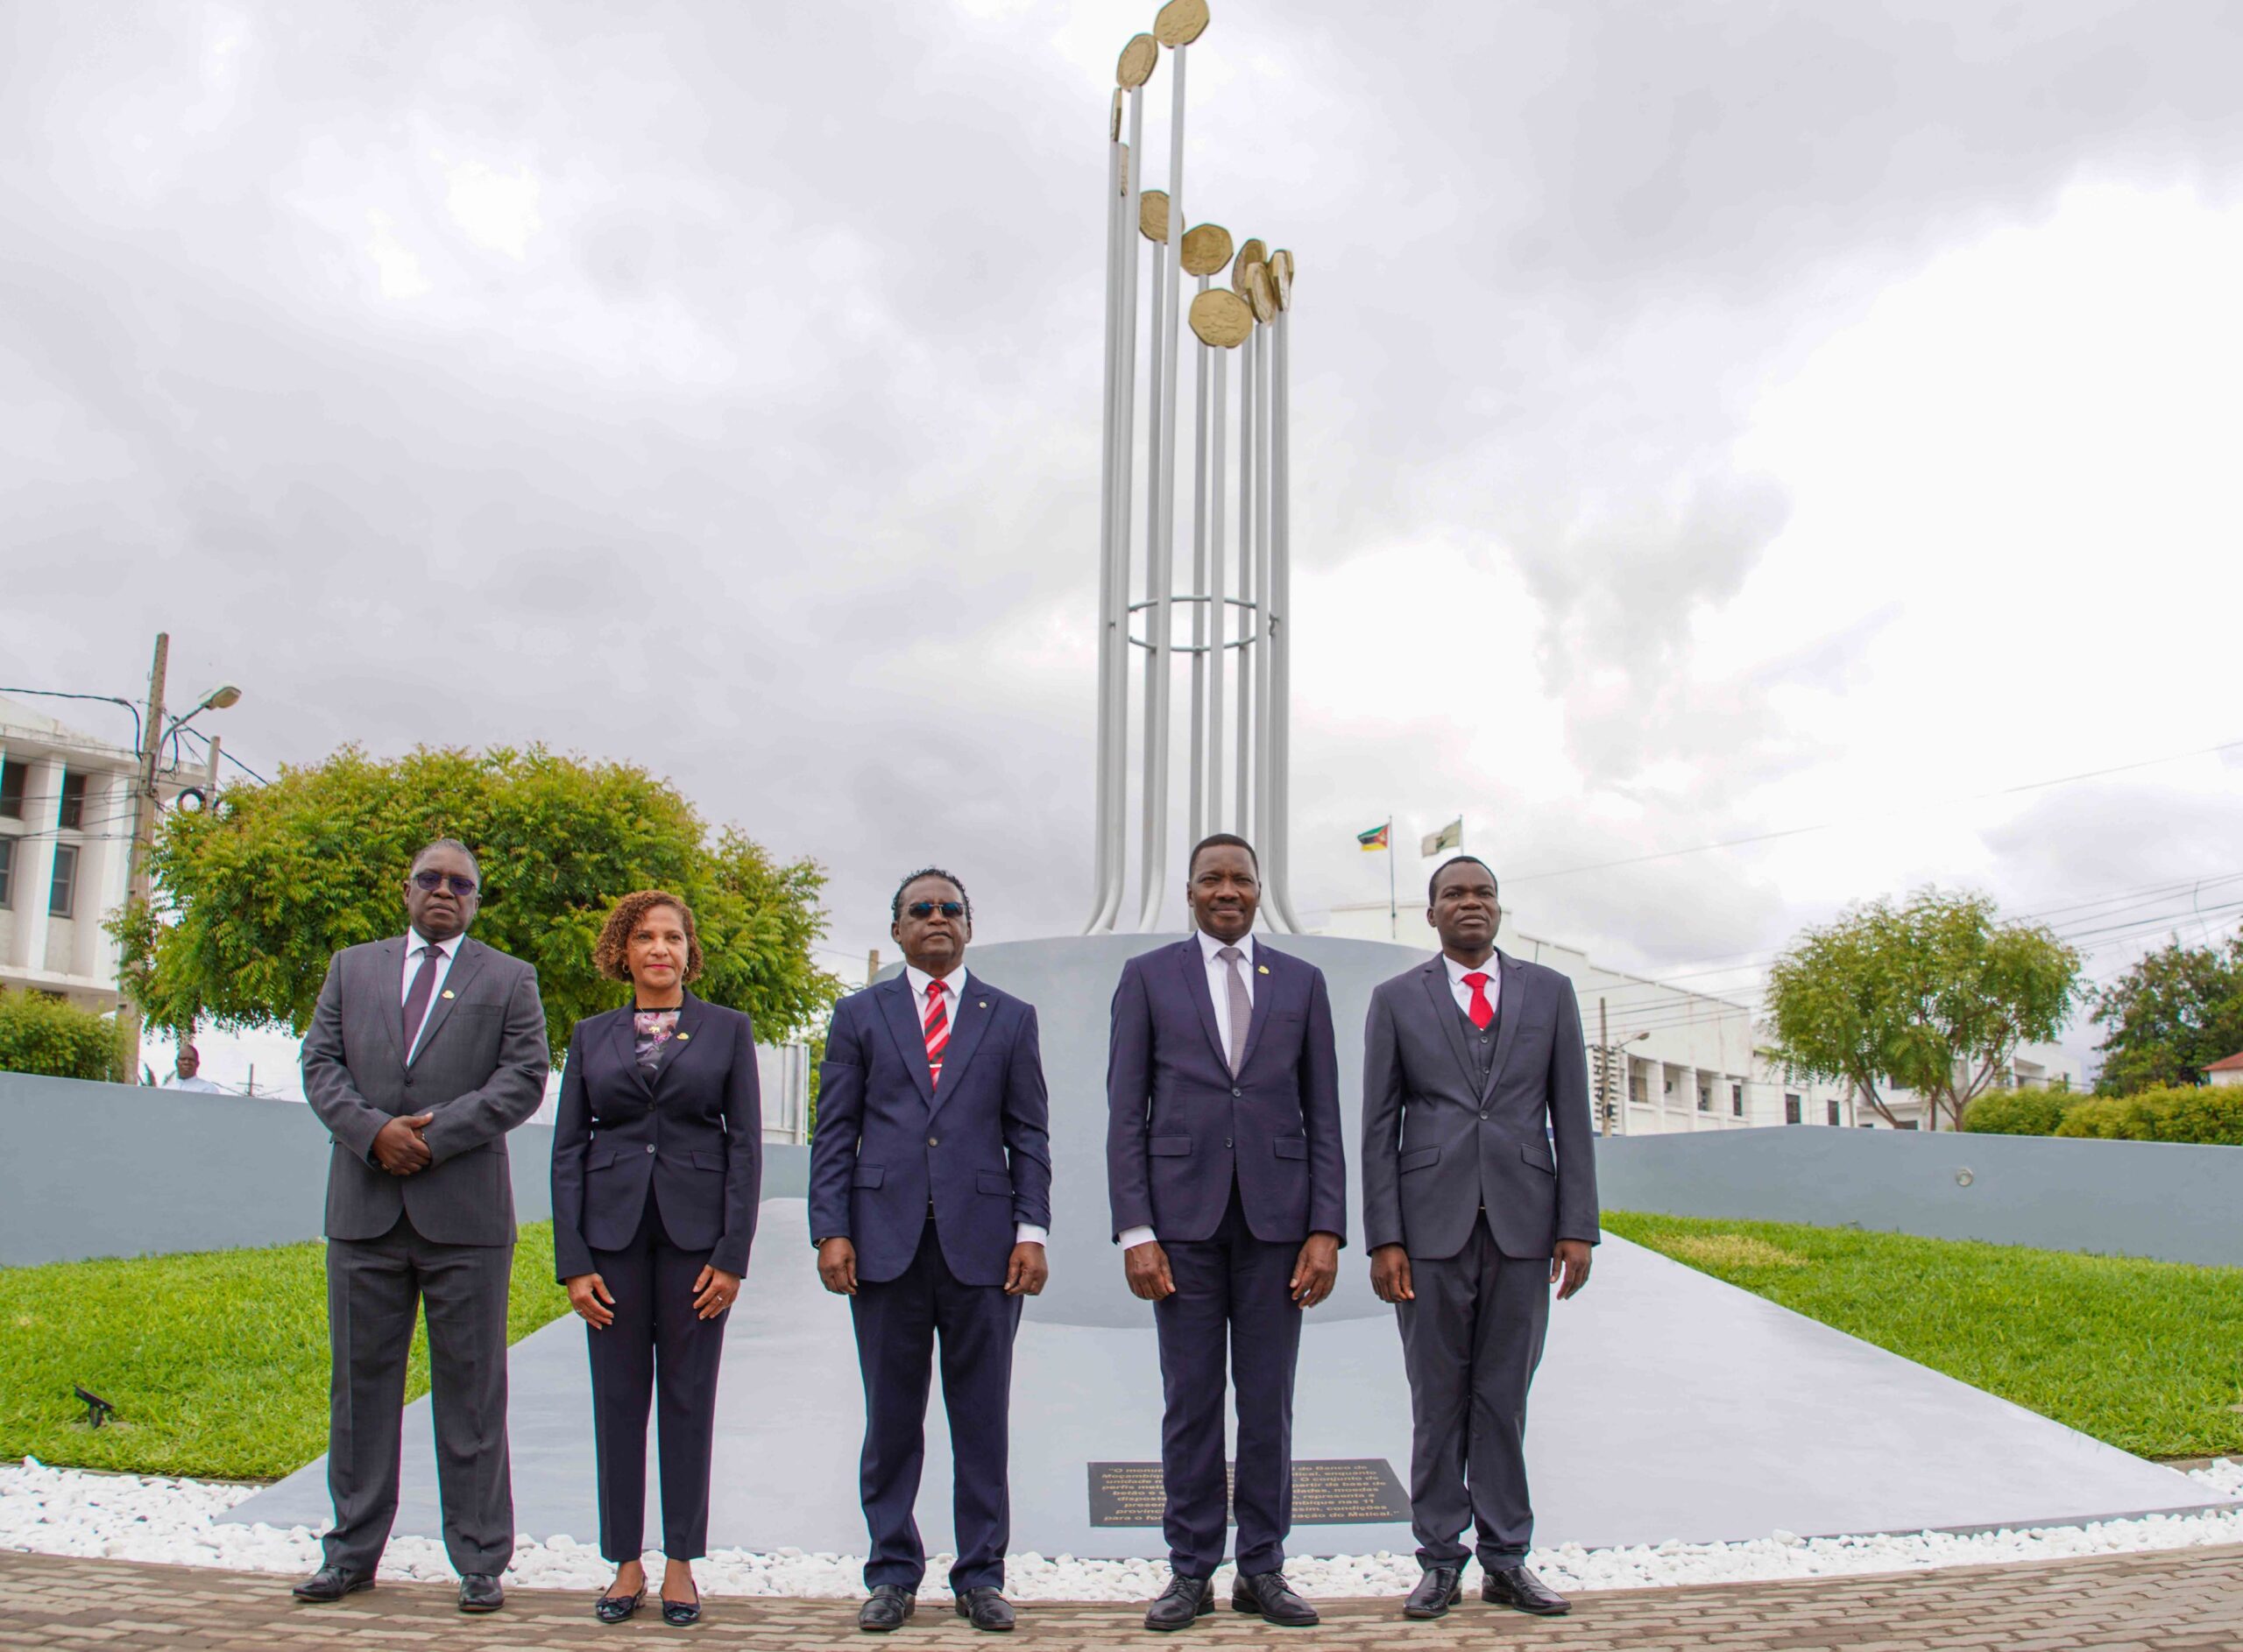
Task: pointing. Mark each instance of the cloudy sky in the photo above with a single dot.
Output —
(1711, 420)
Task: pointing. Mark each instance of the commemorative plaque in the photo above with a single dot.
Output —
(1345, 1490)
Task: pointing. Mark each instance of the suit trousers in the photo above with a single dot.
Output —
(376, 1289)
(1470, 1342)
(1232, 1302)
(897, 1323)
(656, 1351)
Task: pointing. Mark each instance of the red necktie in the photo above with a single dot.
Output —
(1479, 1010)
(937, 1026)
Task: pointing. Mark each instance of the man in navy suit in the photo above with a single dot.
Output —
(1228, 1184)
(929, 1203)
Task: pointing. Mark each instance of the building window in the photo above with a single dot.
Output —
(1833, 1105)
(1906, 1123)
(1667, 1081)
(74, 802)
(1736, 1101)
(1639, 1090)
(60, 893)
(1705, 1097)
(1791, 1108)
(12, 779)
(7, 872)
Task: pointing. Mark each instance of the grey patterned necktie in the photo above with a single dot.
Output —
(1241, 1007)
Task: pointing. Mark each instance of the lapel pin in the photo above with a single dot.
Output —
(683, 1036)
(981, 1004)
(447, 992)
(1261, 968)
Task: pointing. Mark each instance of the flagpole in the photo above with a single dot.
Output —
(1393, 908)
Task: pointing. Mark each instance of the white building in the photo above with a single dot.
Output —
(66, 831)
(2227, 1071)
(1681, 1059)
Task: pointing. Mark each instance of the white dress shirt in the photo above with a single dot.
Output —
(953, 985)
(1218, 989)
(446, 950)
(198, 1084)
(1493, 969)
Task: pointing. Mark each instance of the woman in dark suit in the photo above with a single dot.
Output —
(657, 1168)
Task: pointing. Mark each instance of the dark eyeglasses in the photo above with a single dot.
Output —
(433, 881)
(928, 908)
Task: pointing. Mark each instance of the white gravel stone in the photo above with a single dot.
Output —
(178, 1522)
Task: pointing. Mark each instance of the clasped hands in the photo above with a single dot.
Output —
(399, 1147)
(1315, 1270)
(713, 1291)
(1026, 1272)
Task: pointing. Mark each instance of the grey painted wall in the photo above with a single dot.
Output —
(113, 1170)
(2127, 1199)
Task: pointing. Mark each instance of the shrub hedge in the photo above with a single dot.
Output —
(2205, 1115)
(42, 1034)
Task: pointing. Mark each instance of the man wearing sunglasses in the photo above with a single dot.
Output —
(423, 1053)
(930, 1201)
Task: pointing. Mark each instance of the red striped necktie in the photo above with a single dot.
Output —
(937, 1028)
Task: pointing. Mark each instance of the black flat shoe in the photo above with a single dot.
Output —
(479, 1592)
(332, 1583)
(986, 1610)
(680, 1614)
(1520, 1590)
(1186, 1599)
(888, 1607)
(618, 1608)
(1440, 1589)
(1270, 1598)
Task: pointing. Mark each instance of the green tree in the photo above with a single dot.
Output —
(256, 893)
(2172, 1014)
(40, 1033)
(1933, 995)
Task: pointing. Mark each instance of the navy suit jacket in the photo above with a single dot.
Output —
(888, 1141)
(1180, 1129)
(692, 1135)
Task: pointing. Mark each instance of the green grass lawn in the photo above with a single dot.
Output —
(2146, 1355)
(216, 1362)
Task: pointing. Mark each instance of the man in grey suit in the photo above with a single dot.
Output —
(423, 1053)
(1472, 1063)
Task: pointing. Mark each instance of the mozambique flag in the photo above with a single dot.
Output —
(1375, 839)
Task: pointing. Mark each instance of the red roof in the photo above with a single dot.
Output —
(2233, 1064)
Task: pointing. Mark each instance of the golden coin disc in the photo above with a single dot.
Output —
(1138, 59)
(1221, 318)
(1281, 277)
(1114, 123)
(1180, 22)
(1249, 251)
(1260, 293)
(1152, 214)
(1207, 249)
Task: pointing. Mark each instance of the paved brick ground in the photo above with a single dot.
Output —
(2189, 1600)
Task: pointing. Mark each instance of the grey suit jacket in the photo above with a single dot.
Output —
(1437, 1149)
(480, 1070)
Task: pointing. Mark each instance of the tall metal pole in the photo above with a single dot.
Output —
(1265, 773)
(1218, 606)
(1197, 810)
(1278, 510)
(1113, 634)
(1603, 1073)
(1118, 820)
(1161, 548)
(139, 876)
(1251, 628)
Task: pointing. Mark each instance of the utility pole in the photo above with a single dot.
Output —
(872, 965)
(1603, 1070)
(139, 883)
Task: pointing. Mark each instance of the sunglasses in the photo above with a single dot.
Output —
(928, 908)
(433, 881)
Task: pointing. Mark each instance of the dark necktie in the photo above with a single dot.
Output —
(1241, 1007)
(416, 999)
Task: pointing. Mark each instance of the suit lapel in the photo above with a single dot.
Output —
(393, 1000)
(970, 1020)
(1435, 975)
(902, 1019)
(690, 1018)
(622, 1040)
(1508, 1013)
(465, 962)
(1193, 962)
(1265, 992)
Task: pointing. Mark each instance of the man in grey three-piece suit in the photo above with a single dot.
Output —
(423, 1053)
(1472, 1063)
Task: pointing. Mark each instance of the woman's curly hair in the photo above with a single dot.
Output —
(611, 952)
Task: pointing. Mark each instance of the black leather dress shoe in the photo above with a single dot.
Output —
(1270, 1595)
(479, 1592)
(1520, 1590)
(1440, 1589)
(1185, 1600)
(889, 1607)
(682, 1614)
(332, 1583)
(986, 1609)
(618, 1608)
